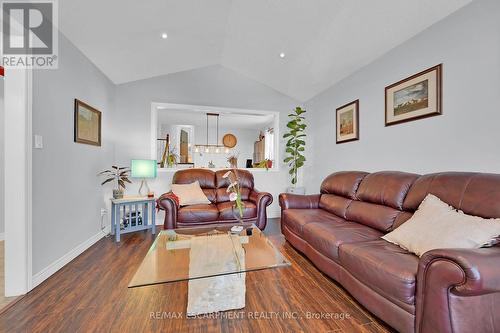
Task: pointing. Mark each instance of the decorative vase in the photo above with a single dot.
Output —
(118, 194)
(236, 214)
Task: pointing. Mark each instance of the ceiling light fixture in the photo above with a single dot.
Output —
(282, 55)
(164, 35)
(211, 148)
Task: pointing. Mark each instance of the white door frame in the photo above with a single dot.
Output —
(18, 181)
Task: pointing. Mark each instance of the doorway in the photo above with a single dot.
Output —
(184, 147)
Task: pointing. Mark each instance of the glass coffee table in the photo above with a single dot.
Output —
(213, 261)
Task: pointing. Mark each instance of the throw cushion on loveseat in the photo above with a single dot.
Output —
(190, 194)
(437, 225)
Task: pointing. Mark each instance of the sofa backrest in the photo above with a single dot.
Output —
(475, 194)
(385, 200)
(212, 183)
(375, 199)
(338, 190)
(379, 199)
(245, 180)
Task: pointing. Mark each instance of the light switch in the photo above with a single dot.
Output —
(38, 142)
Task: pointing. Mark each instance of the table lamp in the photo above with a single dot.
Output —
(143, 169)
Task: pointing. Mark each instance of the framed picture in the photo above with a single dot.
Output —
(87, 124)
(348, 122)
(416, 97)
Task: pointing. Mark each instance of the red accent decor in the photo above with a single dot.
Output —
(2, 71)
(170, 195)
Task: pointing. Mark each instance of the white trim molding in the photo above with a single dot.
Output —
(17, 159)
(48, 271)
(155, 106)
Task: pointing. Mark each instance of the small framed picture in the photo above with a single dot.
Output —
(416, 97)
(87, 124)
(348, 122)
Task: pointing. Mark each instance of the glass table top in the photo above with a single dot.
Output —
(193, 253)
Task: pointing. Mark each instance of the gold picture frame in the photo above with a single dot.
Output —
(416, 97)
(87, 124)
(347, 122)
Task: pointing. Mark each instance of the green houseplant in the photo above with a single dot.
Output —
(118, 174)
(295, 145)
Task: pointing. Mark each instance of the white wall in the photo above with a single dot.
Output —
(67, 196)
(466, 137)
(2, 132)
(213, 86)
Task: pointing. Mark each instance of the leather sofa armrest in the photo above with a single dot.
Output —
(166, 203)
(297, 201)
(261, 200)
(478, 269)
(454, 273)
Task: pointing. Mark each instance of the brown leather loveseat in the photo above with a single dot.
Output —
(220, 209)
(446, 290)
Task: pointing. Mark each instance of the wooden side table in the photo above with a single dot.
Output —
(132, 214)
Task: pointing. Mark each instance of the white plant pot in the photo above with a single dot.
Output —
(296, 190)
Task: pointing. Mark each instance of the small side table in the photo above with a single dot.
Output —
(132, 214)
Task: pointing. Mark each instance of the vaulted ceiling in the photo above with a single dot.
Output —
(323, 40)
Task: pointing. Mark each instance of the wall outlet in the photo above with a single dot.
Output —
(38, 144)
(103, 211)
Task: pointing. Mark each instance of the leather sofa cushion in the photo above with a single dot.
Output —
(388, 188)
(475, 194)
(343, 183)
(296, 219)
(373, 215)
(326, 237)
(210, 193)
(226, 213)
(334, 204)
(384, 267)
(198, 213)
(245, 179)
(222, 195)
(188, 176)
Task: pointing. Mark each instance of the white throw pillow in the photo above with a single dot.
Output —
(437, 225)
(190, 194)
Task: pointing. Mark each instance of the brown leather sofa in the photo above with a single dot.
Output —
(220, 210)
(446, 290)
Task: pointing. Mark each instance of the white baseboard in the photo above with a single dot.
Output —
(273, 212)
(2, 236)
(45, 273)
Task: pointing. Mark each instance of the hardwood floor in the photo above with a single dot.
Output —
(90, 294)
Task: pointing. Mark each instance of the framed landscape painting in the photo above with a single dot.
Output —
(416, 97)
(87, 124)
(347, 122)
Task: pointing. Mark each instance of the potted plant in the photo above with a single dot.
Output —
(295, 147)
(120, 175)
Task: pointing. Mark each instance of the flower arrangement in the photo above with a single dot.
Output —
(234, 190)
(233, 160)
